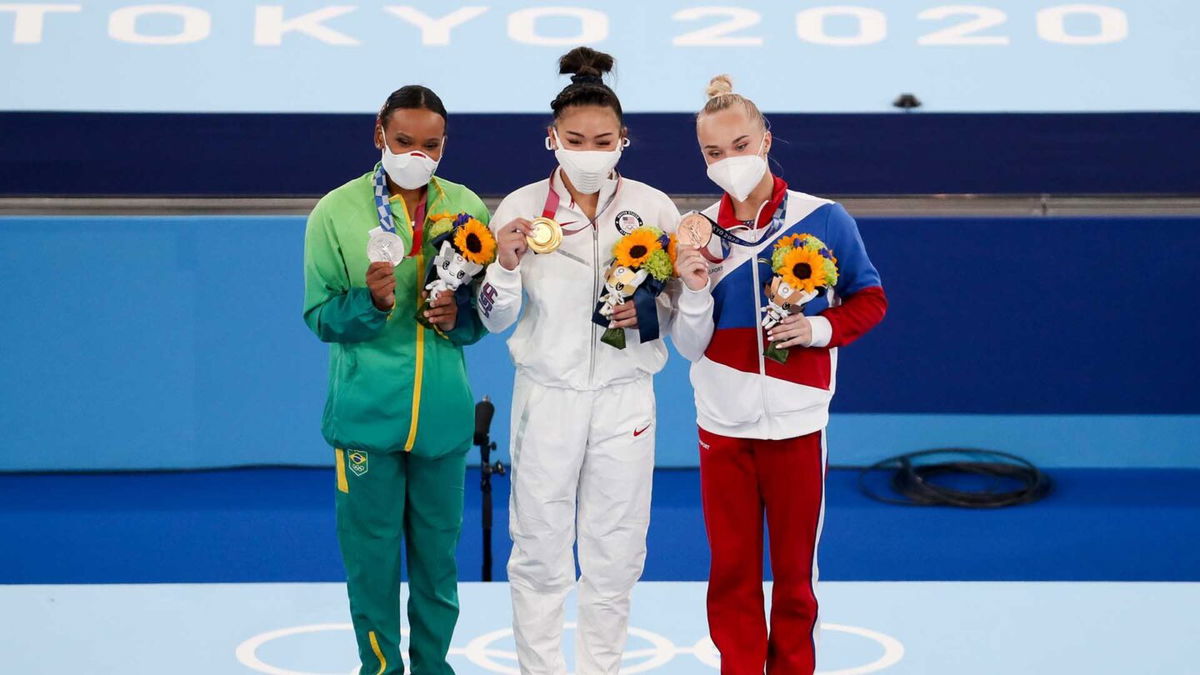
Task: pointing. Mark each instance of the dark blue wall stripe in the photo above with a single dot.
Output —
(897, 153)
(1032, 315)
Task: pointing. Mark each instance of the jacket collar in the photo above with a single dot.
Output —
(726, 219)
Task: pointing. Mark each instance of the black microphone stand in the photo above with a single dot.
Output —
(483, 421)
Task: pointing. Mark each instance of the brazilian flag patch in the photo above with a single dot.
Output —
(358, 463)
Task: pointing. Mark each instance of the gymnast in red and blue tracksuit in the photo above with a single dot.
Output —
(762, 440)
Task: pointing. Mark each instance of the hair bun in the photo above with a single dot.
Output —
(585, 63)
(719, 86)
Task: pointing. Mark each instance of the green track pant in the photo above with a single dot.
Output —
(386, 501)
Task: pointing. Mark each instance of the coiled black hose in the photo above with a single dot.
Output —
(918, 480)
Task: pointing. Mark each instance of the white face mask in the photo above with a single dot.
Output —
(411, 170)
(587, 169)
(740, 174)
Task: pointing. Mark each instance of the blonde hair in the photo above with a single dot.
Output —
(721, 97)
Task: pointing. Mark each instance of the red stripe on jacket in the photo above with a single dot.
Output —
(857, 314)
(737, 348)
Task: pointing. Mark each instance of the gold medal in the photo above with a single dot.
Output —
(694, 230)
(545, 235)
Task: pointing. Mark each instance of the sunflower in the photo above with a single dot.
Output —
(635, 248)
(790, 241)
(673, 248)
(475, 242)
(804, 269)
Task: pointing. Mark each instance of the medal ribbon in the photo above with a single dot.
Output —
(551, 206)
(729, 239)
(383, 209)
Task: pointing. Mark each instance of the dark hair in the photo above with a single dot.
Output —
(587, 68)
(411, 97)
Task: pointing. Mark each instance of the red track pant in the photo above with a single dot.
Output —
(741, 480)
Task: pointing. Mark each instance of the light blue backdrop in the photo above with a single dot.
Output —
(175, 342)
(498, 55)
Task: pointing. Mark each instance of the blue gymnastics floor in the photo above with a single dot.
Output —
(916, 628)
(152, 573)
(276, 525)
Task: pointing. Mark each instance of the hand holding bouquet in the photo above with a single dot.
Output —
(804, 269)
(464, 247)
(638, 272)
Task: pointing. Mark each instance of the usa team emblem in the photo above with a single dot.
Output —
(628, 221)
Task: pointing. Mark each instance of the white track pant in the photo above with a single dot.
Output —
(594, 449)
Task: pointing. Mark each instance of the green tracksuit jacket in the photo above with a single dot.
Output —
(393, 385)
(399, 416)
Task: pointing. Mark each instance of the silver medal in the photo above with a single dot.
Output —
(385, 246)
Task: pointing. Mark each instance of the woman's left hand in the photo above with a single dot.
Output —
(794, 331)
(624, 315)
(443, 311)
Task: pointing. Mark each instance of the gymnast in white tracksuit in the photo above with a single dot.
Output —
(582, 436)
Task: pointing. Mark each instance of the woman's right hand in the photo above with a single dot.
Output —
(692, 268)
(511, 243)
(381, 281)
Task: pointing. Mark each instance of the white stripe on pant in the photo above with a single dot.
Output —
(816, 571)
(583, 457)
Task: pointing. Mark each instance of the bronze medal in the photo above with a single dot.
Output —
(694, 230)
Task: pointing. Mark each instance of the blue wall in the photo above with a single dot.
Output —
(172, 342)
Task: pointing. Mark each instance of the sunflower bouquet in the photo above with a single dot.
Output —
(464, 247)
(639, 270)
(804, 268)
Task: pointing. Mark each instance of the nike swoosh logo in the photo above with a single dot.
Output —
(639, 432)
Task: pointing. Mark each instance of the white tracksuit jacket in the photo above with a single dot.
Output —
(741, 394)
(555, 343)
(582, 447)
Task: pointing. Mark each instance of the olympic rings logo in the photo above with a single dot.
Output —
(482, 651)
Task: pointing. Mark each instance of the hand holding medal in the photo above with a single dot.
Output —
(384, 244)
(511, 243)
(695, 231)
(381, 282)
(541, 235)
(804, 269)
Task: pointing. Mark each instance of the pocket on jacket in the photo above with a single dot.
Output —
(350, 363)
(344, 368)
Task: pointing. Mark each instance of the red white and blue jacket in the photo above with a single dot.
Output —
(739, 392)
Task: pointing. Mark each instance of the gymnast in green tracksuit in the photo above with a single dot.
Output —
(399, 411)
